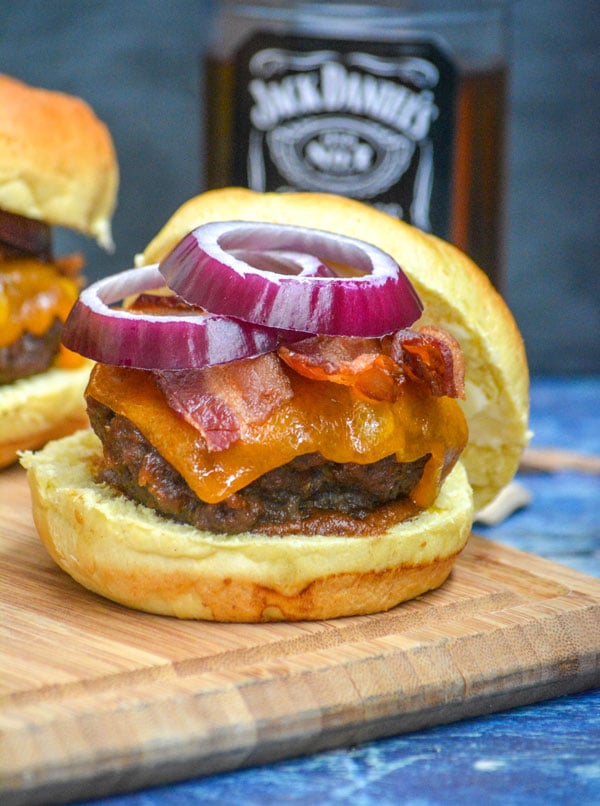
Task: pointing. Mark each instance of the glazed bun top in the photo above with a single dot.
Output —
(57, 160)
(456, 295)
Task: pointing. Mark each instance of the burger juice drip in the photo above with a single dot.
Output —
(404, 120)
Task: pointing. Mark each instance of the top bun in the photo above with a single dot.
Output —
(57, 160)
(455, 293)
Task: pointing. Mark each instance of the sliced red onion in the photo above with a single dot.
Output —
(128, 339)
(206, 269)
(284, 262)
(25, 236)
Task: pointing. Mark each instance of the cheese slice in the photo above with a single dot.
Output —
(32, 295)
(321, 416)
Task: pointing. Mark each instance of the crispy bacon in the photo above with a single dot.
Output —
(222, 402)
(348, 361)
(430, 355)
(162, 303)
(377, 369)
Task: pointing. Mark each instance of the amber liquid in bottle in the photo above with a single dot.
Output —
(477, 223)
(476, 219)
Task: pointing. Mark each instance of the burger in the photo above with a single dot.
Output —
(57, 167)
(294, 414)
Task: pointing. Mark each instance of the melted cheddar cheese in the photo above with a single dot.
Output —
(32, 295)
(321, 416)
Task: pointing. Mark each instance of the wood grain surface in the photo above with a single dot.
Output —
(98, 699)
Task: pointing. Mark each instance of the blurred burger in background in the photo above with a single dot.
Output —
(58, 167)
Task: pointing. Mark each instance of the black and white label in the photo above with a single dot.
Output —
(371, 121)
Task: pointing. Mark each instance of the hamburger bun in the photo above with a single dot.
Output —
(57, 166)
(41, 408)
(127, 553)
(57, 161)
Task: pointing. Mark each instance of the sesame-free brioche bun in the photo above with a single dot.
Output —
(40, 408)
(131, 555)
(456, 295)
(57, 160)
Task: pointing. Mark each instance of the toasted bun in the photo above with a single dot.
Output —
(455, 293)
(43, 407)
(131, 555)
(57, 160)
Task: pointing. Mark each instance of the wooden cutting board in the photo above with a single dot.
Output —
(97, 699)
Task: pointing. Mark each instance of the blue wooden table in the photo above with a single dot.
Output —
(548, 753)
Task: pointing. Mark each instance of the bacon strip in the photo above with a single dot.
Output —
(377, 368)
(162, 303)
(222, 402)
(329, 358)
(349, 361)
(430, 355)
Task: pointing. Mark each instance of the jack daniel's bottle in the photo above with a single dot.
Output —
(397, 104)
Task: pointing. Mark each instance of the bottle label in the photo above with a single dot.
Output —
(373, 121)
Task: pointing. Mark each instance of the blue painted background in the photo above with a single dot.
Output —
(137, 63)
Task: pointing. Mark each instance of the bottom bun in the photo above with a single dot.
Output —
(128, 553)
(44, 407)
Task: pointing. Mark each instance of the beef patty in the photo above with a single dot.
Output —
(295, 491)
(29, 355)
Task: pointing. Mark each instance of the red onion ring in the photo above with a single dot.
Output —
(204, 269)
(117, 336)
(284, 262)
